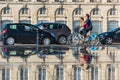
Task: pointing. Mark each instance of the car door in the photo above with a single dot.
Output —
(117, 36)
(53, 28)
(28, 33)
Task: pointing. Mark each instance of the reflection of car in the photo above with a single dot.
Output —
(110, 36)
(25, 52)
(61, 31)
(25, 33)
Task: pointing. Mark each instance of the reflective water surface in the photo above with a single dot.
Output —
(59, 63)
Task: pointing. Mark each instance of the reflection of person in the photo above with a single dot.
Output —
(85, 58)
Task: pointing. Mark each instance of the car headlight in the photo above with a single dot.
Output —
(52, 34)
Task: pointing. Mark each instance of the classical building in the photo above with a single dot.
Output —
(104, 13)
(65, 65)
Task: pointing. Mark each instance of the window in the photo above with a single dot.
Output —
(13, 26)
(76, 23)
(24, 0)
(59, 73)
(61, 21)
(97, 27)
(53, 26)
(42, 11)
(77, 0)
(24, 10)
(42, 73)
(77, 73)
(60, 11)
(112, 25)
(112, 11)
(23, 73)
(77, 11)
(95, 0)
(42, 21)
(59, 0)
(111, 0)
(25, 21)
(6, 10)
(111, 72)
(41, 0)
(94, 73)
(5, 22)
(95, 11)
(5, 74)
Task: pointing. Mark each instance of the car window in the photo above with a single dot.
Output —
(60, 26)
(14, 27)
(43, 26)
(27, 28)
(53, 26)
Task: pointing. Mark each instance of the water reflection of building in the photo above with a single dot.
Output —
(105, 66)
(104, 13)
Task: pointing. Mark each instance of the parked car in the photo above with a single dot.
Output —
(110, 36)
(61, 31)
(25, 33)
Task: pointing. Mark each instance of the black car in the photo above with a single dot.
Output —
(110, 36)
(25, 33)
(61, 31)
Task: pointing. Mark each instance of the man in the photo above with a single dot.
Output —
(88, 23)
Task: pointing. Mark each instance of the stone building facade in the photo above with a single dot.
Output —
(104, 13)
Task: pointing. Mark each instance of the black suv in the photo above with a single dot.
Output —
(61, 31)
(25, 33)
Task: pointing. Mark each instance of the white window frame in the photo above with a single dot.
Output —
(7, 76)
(24, 73)
(111, 73)
(41, 71)
(59, 76)
(6, 10)
(79, 75)
(93, 77)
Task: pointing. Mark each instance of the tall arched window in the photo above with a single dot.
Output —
(60, 11)
(112, 25)
(95, 11)
(112, 11)
(76, 24)
(24, 10)
(97, 27)
(6, 10)
(94, 73)
(59, 72)
(23, 73)
(77, 73)
(42, 10)
(77, 11)
(42, 73)
(110, 72)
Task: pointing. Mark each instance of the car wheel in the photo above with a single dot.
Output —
(109, 40)
(62, 40)
(46, 41)
(10, 41)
